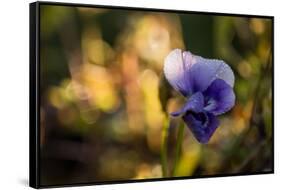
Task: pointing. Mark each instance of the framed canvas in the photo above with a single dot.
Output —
(120, 94)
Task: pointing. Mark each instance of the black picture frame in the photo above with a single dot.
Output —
(34, 93)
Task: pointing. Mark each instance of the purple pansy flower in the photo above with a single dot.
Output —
(209, 85)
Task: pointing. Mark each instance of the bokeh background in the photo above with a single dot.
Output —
(104, 100)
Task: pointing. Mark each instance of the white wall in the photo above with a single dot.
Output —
(14, 40)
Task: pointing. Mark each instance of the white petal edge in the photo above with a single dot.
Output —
(173, 68)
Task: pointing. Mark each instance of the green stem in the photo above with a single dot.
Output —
(178, 147)
(164, 147)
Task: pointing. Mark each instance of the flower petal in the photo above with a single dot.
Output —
(205, 71)
(202, 125)
(219, 97)
(189, 73)
(174, 71)
(195, 104)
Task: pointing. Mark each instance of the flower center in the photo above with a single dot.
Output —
(210, 104)
(201, 117)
